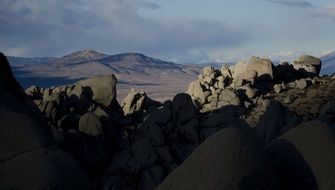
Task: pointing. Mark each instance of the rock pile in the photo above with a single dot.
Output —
(244, 82)
(84, 117)
(234, 128)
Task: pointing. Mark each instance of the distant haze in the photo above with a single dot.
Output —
(192, 31)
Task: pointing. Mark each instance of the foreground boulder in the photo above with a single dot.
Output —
(8, 82)
(29, 156)
(305, 157)
(44, 168)
(230, 159)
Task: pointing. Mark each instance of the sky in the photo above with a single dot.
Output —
(183, 31)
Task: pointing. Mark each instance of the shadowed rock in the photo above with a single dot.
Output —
(304, 157)
(29, 157)
(230, 159)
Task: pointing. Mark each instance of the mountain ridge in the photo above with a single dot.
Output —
(133, 70)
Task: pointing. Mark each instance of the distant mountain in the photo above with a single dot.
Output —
(84, 55)
(328, 63)
(131, 69)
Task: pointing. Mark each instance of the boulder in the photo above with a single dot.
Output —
(309, 66)
(153, 133)
(137, 101)
(44, 168)
(183, 109)
(230, 159)
(199, 92)
(208, 71)
(19, 131)
(90, 124)
(189, 131)
(277, 88)
(270, 127)
(144, 153)
(304, 157)
(34, 92)
(301, 84)
(238, 68)
(229, 97)
(249, 76)
(249, 91)
(29, 157)
(160, 116)
(264, 68)
(8, 82)
(101, 89)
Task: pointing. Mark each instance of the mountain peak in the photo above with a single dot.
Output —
(83, 55)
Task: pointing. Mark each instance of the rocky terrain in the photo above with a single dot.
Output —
(133, 70)
(249, 126)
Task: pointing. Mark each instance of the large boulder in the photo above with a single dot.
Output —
(8, 82)
(43, 168)
(100, 89)
(238, 68)
(29, 157)
(230, 159)
(270, 127)
(264, 67)
(19, 131)
(305, 157)
(199, 92)
(183, 109)
(249, 76)
(309, 65)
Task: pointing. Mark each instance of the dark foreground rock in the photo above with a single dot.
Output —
(29, 156)
(304, 157)
(230, 159)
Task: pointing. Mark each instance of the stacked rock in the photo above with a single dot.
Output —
(231, 86)
(84, 117)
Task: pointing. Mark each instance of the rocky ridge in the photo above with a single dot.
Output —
(250, 111)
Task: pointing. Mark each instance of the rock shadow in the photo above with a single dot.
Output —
(292, 169)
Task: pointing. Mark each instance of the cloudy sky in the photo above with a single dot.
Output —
(176, 30)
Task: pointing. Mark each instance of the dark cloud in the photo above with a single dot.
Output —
(40, 28)
(296, 3)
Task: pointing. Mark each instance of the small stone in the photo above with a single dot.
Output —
(277, 88)
(301, 84)
(288, 99)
